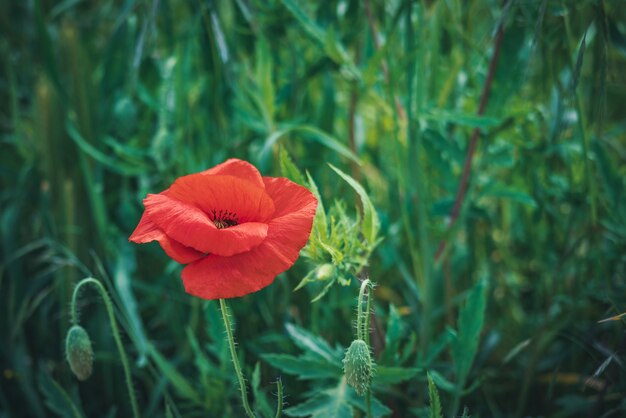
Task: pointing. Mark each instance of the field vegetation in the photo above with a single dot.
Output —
(469, 158)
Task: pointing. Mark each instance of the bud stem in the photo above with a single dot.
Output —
(363, 318)
(363, 329)
(114, 329)
(279, 406)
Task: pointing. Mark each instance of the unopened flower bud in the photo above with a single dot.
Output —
(325, 271)
(79, 352)
(357, 366)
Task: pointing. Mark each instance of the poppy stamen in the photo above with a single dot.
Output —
(224, 219)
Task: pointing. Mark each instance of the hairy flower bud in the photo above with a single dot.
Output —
(357, 366)
(79, 352)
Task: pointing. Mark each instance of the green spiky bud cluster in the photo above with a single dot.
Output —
(357, 366)
(79, 352)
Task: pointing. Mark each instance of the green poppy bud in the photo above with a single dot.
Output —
(357, 366)
(325, 271)
(79, 352)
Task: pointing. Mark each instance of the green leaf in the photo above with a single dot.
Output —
(288, 168)
(264, 79)
(313, 344)
(579, 62)
(378, 409)
(435, 403)
(442, 382)
(329, 403)
(215, 331)
(320, 223)
(129, 302)
(511, 194)
(326, 40)
(470, 120)
(470, 323)
(180, 383)
(335, 254)
(305, 367)
(56, 398)
(371, 224)
(260, 399)
(394, 336)
(610, 178)
(206, 367)
(385, 375)
(307, 23)
(111, 163)
(325, 290)
(440, 344)
(171, 410)
(305, 280)
(307, 132)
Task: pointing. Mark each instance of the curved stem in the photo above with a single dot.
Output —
(366, 331)
(368, 308)
(363, 330)
(116, 334)
(359, 319)
(235, 358)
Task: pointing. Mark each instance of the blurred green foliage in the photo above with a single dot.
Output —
(104, 102)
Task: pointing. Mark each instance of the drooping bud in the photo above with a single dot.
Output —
(79, 352)
(357, 366)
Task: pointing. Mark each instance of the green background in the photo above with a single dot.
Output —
(102, 102)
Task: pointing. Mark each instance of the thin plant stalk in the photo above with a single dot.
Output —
(359, 321)
(467, 165)
(116, 334)
(235, 358)
(590, 184)
(415, 94)
(363, 327)
(279, 393)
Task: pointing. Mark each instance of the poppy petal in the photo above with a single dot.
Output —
(147, 231)
(289, 197)
(177, 251)
(226, 194)
(227, 277)
(192, 227)
(237, 168)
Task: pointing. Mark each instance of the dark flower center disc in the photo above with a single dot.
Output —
(224, 219)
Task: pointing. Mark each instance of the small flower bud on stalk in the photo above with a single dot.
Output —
(79, 352)
(357, 366)
(325, 271)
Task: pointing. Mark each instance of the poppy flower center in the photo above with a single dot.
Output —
(224, 219)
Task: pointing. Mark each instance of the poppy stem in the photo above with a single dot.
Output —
(363, 329)
(235, 358)
(116, 334)
(279, 406)
(366, 314)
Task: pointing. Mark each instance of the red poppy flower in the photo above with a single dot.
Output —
(235, 230)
